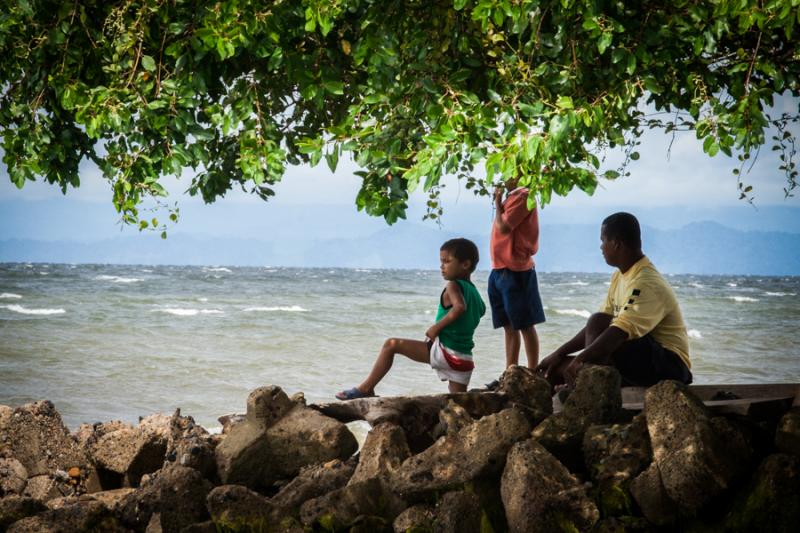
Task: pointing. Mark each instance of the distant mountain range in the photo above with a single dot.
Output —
(697, 248)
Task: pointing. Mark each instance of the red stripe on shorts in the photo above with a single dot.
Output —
(456, 363)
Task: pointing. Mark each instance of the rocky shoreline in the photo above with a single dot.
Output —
(465, 462)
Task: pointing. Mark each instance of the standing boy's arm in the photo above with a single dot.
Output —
(453, 296)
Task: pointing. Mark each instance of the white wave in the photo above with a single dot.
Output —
(368, 270)
(583, 313)
(271, 270)
(767, 293)
(44, 273)
(10, 296)
(575, 283)
(694, 334)
(733, 284)
(179, 311)
(147, 270)
(217, 269)
(202, 299)
(25, 311)
(561, 298)
(697, 285)
(288, 309)
(117, 279)
(742, 299)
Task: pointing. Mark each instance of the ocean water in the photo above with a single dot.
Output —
(110, 342)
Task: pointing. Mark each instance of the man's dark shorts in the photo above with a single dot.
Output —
(644, 362)
(514, 298)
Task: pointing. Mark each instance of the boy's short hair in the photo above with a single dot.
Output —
(463, 250)
(623, 227)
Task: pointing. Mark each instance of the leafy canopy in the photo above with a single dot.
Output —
(411, 89)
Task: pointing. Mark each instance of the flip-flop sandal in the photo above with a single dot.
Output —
(352, 394)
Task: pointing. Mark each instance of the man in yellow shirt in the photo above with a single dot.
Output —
(639, 330)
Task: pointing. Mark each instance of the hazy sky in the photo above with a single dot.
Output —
(682, 176)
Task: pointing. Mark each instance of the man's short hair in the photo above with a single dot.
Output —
(463, 250)
(624, 228)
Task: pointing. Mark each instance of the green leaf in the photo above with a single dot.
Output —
(565, 102)
(334, 87)
(604, 42)
(148, 63)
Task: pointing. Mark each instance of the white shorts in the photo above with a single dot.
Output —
(451, 365)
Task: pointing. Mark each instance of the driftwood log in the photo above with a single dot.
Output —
(417, 415)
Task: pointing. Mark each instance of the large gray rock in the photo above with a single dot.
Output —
(130, 453)
(596, 400)
(111, 499)
(14, 508)
(87, 434)
(237, 508)
(527, 391)
(614, 455)
(452, 419)
(384, 450)
(338, 510)
(648, 491)
(46, 487)
(82, 516)
(477, 450)
(697, 456)
(277, 439)
(458, 511)
(540, 494)
(176, 493)
(13, 476)
(35, 435)
(192, 446)
(417, 519)
(787, 436)
(314, 481)
(771, 502)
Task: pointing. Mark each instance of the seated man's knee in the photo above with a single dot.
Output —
(599, 322)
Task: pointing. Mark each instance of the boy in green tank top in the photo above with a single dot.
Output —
(448, 344)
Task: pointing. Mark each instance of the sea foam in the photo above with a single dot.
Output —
(179, 311)
(25, 311)
(767, 293)
(694, 334)
(10, 296)
(288, 309)
(583, 313)
(742, 299)
(217, 269)
(117, 279)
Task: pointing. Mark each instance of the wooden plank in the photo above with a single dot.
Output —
(745, 391)
(717, 405)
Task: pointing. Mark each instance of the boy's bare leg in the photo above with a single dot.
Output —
(456, 387)
(512, 345)
(414, 350)
(531, 340)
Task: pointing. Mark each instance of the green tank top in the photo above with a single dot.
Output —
(458, 335)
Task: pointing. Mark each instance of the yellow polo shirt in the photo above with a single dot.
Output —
(641, 302)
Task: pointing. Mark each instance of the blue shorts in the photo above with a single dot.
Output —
(514, 298)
